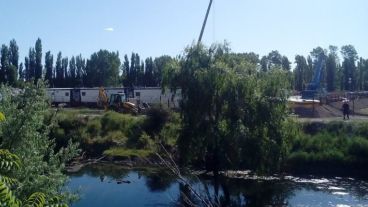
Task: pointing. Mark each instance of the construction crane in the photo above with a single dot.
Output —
(314, 86)
(204, 22)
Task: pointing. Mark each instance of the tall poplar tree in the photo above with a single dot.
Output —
(81, 66)
(72, 72)
(59, 71)
(4, 63)
(38, 60)
(350, 56)
(32, 64)
(49, 61)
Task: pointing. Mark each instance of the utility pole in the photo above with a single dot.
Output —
(204, 22)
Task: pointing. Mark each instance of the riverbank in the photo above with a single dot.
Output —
(330, 148)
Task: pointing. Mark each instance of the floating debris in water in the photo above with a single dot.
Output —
(340, 193)
(335, 188)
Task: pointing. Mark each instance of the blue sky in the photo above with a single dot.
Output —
(157, 27)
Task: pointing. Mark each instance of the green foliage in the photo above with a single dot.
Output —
(36, 200)
(335, 146)
(49, 61)
(145, 142)
(100, 133)
(171, 131)
(232, 115)
(26, 133)
(156, 119)
(119, 152)
(38, 66)
(103, 69)
(10, 162)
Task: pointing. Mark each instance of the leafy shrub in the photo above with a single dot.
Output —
(26, 132)
(118, 137)
(170, 132)
(120, 152)
(145, 142)
(358, 148)
(94, 127)
(156, 119)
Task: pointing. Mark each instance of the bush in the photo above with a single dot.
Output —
(170, 132)
(156, 119)
(94, 127)
(120, 152)
(145, 142)
(336, 146)
(117, 137)
(358, 148)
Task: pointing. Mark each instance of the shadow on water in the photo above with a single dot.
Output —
(159, 180)
(157, 187)
(236, 192)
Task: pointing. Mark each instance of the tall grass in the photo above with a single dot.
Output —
(329, 147)
(97, 134)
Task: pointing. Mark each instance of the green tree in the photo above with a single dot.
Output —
(38, 60)
(64, 66)
(148, 73)
(362, 74)
(275, 59)
(365, 73)
(126, 72)
(350, 56)
(158, 67)
(309, 73)
(49, 62)
(21, 72)
(285, 63)
(264, 64)
(14, 53)
(231, 117)
(103, 69)
(4, 63)
(299, 73)
(26, 69)
(140, 76)
(137, 69)
(331, 68)
(25, 132)
(31, 64)
(72, 71)
(132, 70)
(8, 164)
(11, 75)
(59, 71)
(80, 64)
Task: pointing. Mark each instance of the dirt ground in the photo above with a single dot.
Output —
(333, 111)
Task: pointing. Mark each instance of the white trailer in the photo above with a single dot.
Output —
(89, 96)
(154, 95)
(59, 95)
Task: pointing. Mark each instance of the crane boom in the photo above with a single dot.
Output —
(314, 85)
(204, 22)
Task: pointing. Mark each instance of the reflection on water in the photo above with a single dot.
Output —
(108, 185)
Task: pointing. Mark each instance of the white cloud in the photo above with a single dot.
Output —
(109, 29)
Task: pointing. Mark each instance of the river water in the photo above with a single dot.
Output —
(110, 186)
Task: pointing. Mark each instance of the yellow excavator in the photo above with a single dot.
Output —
(117, 102)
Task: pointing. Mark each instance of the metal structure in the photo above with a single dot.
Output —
(204, 22)
(314, 86)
